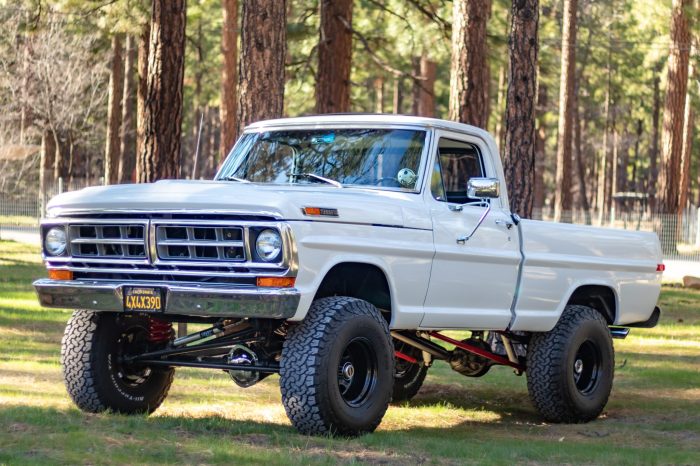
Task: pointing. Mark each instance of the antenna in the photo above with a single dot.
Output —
(196, 152)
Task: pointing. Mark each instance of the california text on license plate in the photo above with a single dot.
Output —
(143, 299)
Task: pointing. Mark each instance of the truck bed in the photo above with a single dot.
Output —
(559, 258)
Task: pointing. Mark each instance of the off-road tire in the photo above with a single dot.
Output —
(90, 372)
(408, 377)
(581, 334)
(311, 359)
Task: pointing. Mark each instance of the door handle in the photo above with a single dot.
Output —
(504, 223)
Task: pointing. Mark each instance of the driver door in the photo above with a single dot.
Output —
(472, 284)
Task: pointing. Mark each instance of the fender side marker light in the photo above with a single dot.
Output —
(320, 211)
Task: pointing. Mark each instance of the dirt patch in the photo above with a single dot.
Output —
(20, 428)
(343, 453)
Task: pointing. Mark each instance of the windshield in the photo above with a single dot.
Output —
(387, 158)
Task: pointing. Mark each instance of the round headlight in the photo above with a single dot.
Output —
(268, 245)
(55, 242)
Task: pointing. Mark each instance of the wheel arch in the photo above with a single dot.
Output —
(602, 298)
(362, 280)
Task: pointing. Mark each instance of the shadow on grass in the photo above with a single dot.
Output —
(67, 435)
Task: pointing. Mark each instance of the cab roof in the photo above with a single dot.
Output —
(373, 119)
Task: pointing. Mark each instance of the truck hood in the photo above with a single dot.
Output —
(354, 205)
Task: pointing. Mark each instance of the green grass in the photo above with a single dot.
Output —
(653, 416)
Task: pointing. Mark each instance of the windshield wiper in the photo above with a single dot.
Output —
(314, 176)
(235, 178)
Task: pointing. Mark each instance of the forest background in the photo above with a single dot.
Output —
(592, 101)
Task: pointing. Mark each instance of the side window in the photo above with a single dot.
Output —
(456, 163)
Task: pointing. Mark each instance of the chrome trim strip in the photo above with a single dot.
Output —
(194, 242)
(94, 221)
(139, 242)
(68, 211)
(189, 273)
(93, 260)
(181, 299)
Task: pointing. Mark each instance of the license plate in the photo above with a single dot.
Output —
(143, 299)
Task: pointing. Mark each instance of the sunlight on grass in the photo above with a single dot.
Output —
(653, 415)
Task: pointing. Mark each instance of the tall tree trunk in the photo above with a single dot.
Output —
(114, 112)
(521, 103)
(229, 75)
(624, 161)
(469, 74)
(127, 161)
(674, 108)
(48, 152)
(334, 57)
(563, 205)
(538, 194)
(654, 152)
(424, 89)
(397, 96)
(378, 84)
(24, 91)
(263, 51)
(603, 172)
(687, 151)
(635, 185)
(611, 181)
(160, 157)
(141, 93)
(60, 166)
(500, 108)
(580, 163)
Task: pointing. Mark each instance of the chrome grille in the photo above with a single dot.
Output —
(200, 242)
(108, 240)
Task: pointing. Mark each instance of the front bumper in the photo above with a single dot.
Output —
(180, 299)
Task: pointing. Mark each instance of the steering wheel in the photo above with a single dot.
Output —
(381, 180)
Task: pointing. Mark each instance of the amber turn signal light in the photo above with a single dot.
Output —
(60, 274)
(276, 282)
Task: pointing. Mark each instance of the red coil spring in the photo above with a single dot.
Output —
(159, 330)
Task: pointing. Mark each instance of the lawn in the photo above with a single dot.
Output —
(653, 416)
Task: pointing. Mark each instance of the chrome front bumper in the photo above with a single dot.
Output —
(181, 299)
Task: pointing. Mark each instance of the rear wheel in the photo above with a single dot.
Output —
(92, 352)
(570, 369)
(337, 368)
(408, 376)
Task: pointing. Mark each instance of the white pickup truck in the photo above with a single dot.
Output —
(333, 250)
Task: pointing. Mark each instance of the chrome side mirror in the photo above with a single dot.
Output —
(483, 188)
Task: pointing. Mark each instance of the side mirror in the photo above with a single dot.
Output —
(483, 188)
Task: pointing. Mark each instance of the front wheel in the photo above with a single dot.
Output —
(92, 352)
(570, 368)
(337, 368)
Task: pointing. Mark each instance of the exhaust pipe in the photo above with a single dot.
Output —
(619, 332)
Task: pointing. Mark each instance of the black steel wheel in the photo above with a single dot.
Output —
(357, 371)
(570, 369)
(337, 366)
(408, 376)
(586, 369)
(93, 350)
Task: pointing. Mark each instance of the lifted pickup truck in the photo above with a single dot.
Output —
(333, 251)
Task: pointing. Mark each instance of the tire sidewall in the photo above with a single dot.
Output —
(355, 418)
(598, 334)
(115, 393)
